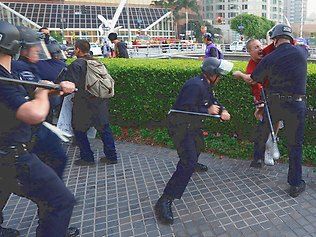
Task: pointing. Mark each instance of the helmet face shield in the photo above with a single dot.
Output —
(225, 67)
(55, 51)
(35, 51)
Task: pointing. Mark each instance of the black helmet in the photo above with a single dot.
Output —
(214, 66)
(9, 39)
(209, 36)
(30, 38)
(280, 30)
(55, 50)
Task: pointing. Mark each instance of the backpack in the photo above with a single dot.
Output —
(99, 82)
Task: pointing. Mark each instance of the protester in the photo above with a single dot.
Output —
(211, 49)
(185, 130)
(89, 111)
(120, 48)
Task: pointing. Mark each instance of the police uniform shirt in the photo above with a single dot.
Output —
(12, 131)
(25, 70)
(285, 68)
(196, 96)
(50, 69)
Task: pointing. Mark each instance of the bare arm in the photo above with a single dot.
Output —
(36, 110)
(246, 77)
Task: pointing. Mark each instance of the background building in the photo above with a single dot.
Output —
(79, 20)
(271, 9)
(295, 10)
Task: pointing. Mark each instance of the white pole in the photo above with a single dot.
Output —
(186, 23)
(302, 19)
(128, 22)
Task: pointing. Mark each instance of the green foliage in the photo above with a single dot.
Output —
(145, 90)
(57, 36)
(254, 26)
(116, 130)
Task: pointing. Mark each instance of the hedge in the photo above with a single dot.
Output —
(147, 88)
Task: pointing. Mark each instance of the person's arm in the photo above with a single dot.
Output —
(217, 108)
(36, 110)
(213, 52)
(243, 76)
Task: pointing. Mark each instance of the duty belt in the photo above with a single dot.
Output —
(17, 149)
(292, 97)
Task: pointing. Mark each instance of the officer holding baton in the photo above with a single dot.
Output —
(195, 98)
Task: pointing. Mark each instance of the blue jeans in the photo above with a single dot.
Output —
(108, 144)
(293, 115)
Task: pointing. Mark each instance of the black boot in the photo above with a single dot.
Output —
(72, 232)
(8, 232)
(200, 168)
(163, 209)
(297, 190)
(256, 164)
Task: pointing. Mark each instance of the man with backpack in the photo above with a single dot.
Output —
(90, 104)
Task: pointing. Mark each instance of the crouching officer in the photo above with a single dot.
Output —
(185, 130)
(286, 70)
(21, 172)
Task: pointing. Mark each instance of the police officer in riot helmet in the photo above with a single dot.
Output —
(185, 130)
(18, 113)
(286, 70)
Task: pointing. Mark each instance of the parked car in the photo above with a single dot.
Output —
(95, 49)
(238, 46)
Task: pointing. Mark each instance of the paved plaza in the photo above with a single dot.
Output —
(230, 200)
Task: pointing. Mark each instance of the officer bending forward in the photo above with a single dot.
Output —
(21, 172)
(185, 130)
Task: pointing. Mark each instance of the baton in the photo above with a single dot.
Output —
(193, 113)
(268, 115)
(32, 83)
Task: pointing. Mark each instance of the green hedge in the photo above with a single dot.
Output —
(147, 88)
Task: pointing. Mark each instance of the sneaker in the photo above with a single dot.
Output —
(256, 164)
(108, 161)
(200, 168)
(8, 232)
(297, 190)
(82, 162)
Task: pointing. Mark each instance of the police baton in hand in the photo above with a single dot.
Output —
(31, 83)
(266, 107)
(194, 113)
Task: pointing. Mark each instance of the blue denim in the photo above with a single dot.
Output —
(108, 144)
(293, 115)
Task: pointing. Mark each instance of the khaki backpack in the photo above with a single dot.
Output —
(99, 82)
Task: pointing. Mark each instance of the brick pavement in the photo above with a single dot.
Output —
(230, 200)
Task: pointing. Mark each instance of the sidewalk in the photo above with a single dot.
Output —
(230, 200)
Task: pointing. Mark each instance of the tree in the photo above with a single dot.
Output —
(195, 26)
(177, 6)
(251, 26)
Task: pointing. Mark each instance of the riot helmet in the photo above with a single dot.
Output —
(32, 44)
(280, 30)
(9, 39)
(55, 50)
(214, 66)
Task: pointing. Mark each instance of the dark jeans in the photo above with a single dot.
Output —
(293, 115)
(29, 177)
(49, 149)
(108, 144)
(189, 145)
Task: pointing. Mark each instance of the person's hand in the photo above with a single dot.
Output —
(237, 74)
(225, 116)
(213, 109)
(67, 87)
(259, 113)
(40, 89)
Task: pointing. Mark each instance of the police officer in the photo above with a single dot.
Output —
(48, 146)
(211, 49)
(21, 172)
(286, 70)
(185, 130)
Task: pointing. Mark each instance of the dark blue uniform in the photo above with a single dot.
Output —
(185, 130)
(22, 173)
(48, 146)
(50, 69)
(286, 70)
